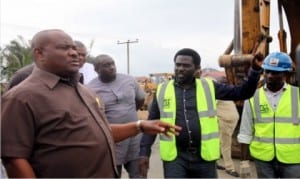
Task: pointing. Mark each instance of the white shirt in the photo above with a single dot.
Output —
(246, 128)
(88, 72)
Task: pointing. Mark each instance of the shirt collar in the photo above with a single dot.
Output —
(50, 79)
(181, 86)
(282, 89)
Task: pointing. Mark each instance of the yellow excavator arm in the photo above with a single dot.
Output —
(252, 35)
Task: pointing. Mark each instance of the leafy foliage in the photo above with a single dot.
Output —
(14, 56)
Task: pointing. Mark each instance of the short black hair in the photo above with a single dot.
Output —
(190, 52)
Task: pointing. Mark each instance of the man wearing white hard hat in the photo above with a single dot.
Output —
(270, 126)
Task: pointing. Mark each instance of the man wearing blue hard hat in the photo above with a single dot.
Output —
(270, 126)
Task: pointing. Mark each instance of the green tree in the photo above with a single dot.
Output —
(14, 56)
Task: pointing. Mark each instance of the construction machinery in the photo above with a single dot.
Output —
(252, 36)
(149, 85)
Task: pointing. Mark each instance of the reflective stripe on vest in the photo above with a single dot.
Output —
(167, 106)
(277, 133)
(294, 104)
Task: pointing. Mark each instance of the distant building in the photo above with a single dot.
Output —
(213, 73)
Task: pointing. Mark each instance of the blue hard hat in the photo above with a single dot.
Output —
(277, 61)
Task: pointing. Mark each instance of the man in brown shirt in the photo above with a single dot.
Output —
(53, 126)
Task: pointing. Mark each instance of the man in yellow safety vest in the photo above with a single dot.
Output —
(270, 126)
(191, 103)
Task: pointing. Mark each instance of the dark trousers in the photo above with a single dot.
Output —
(276, 169)
(189, 165)
(132, 168)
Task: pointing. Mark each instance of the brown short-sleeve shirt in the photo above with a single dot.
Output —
(59, 128)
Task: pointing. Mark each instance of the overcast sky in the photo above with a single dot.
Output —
(162, 27)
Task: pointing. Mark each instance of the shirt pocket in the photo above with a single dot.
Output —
(126, 95)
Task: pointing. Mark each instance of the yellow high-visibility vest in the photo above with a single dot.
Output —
(206, 107)
(276, 133)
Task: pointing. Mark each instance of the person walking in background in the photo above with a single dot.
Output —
(228, 117)
(86, 69)
(270, 125)
(54, 127)
(122, 96)
(82, 54)
(191, 104)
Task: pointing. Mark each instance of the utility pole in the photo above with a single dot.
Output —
(127, 43)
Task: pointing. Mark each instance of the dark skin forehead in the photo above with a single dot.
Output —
(105, 59)
(43, 38)
(102, 60)
(184, 59)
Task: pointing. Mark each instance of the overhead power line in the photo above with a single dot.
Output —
(127, 45)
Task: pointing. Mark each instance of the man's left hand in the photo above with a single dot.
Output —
(257, 61)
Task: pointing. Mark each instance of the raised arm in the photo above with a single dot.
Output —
(244, 90)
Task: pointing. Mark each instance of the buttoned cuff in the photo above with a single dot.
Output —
(244, 139)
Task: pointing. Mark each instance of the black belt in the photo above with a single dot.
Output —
(192, 150)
